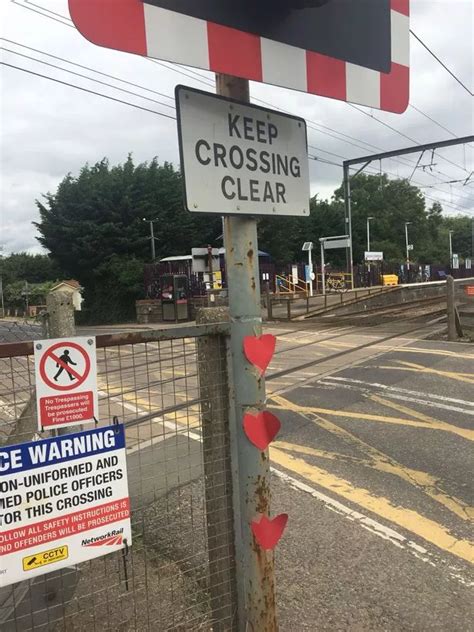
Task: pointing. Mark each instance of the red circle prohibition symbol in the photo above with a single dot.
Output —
(54, 358)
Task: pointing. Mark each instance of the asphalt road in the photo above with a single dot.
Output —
(373, 465)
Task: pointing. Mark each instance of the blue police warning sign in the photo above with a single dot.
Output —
(63, 501)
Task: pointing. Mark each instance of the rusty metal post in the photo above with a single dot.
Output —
(214, 394)
(251, 468)
(451, 307)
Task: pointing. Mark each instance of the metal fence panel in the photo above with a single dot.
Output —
(179, 573)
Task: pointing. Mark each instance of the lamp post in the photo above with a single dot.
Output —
(308, 247)
(451, 249)
(368, 233)
(368, 248)
(407, 247)
(152, 236)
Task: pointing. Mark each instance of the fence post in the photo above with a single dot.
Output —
(60, 315)
(451, 308)
(61, 324)
(270, 308)
(214, 395)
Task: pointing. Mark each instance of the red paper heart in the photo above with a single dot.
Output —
(261, 429)
(259, 351)
(268, 532)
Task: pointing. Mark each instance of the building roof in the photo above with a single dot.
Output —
(70, 282)
(178, 258)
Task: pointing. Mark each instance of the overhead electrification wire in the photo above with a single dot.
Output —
(78, 74)
(94, 70)
(199, 77)
(430, 118)
(99, 94)
(172, 117)
(441, 63)
(64, 83)
(50, 17)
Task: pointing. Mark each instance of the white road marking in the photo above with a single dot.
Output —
(7, 409)
(176, 428)
(376, 528)
(404, 394)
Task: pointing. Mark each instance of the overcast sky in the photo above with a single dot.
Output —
(49, 129)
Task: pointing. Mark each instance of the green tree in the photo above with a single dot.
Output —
(15, 293)
(283, 237)
(391, 203)
(93, 227)
(462, 236)
(22, 266)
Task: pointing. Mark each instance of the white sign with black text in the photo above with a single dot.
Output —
(373, 256)
(241, 159)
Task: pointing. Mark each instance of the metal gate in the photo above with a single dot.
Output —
(170, 389)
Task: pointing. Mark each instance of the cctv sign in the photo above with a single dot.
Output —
(241, 159)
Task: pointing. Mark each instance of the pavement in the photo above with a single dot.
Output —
(373, 464)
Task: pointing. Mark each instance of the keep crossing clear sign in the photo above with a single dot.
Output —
(63, 501)
(241, 159)
(66, 382)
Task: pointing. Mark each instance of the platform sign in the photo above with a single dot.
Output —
(334, 244)
(342, 49)
(66, 382)
(63, 501)
(241, 159)
(373, 256)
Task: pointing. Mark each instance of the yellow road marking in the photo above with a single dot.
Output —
(284, 404)
(440, 352)
(408, 519)
(173, 372)
(382, 463)
(192, 421)
(298, 341)
(419, 368)
(406, 410)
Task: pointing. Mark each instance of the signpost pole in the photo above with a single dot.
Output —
(251, 473)
(310, 266)
(347, 201)
(323, 270)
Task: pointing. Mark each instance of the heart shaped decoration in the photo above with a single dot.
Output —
(268, 532)
(259, 350)
(261, 429)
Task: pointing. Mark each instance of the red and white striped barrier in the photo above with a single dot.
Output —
(136, 27)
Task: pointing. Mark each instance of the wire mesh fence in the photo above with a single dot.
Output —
(464, 298)
(170, 390)
(18, 330)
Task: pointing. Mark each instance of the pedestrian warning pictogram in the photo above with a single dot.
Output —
(66, 382)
